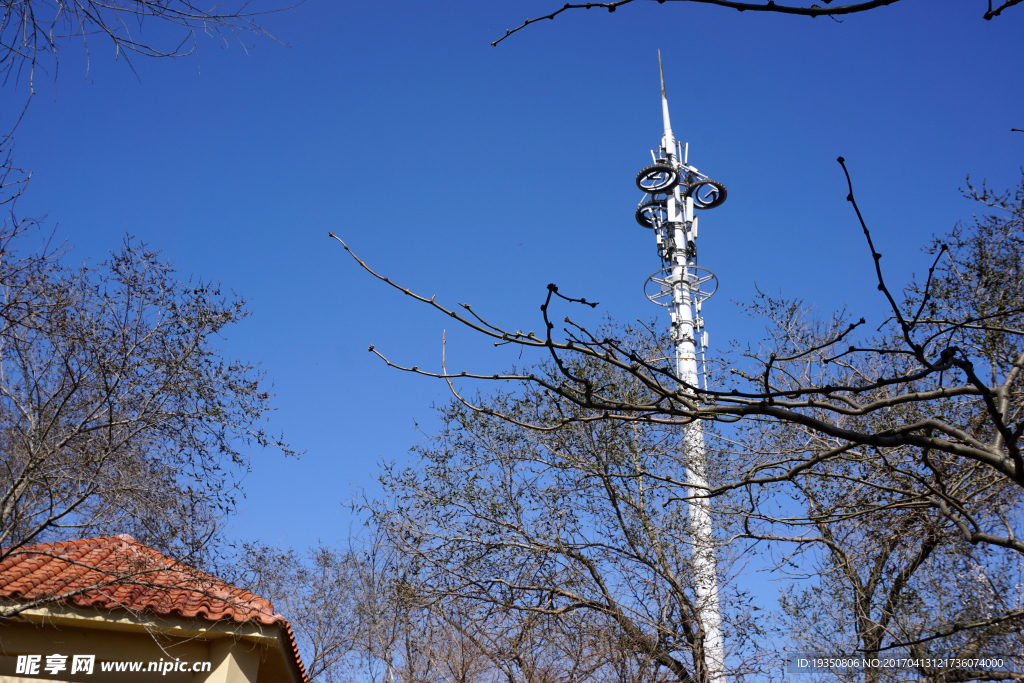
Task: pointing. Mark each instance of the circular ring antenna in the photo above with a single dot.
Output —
(657, 178)
(659, 286)
(707, 194)
(652, 213)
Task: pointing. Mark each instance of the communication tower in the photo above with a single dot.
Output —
(673, 191)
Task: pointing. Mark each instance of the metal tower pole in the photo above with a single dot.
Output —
(674, 189)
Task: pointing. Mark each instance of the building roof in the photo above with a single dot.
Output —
(116, 572)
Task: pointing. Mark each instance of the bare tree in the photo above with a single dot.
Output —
(404, 636)
(580, 646)
(322, 595)
(32, 32)
(533, 647)
(932, 399)
(370, 614)
(422, 636)
(354, 615)
(878, 575)
(885, 587)
(812, 10)
(567, 524)
(118, 414)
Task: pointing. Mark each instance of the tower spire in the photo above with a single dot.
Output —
(668, 142)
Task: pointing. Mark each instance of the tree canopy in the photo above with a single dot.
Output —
(884, 463)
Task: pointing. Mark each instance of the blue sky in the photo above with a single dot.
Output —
(480, 174)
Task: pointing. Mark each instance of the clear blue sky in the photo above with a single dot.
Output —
(482, 173)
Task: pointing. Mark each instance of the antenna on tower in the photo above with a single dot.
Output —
(669, 141)
(673, 189)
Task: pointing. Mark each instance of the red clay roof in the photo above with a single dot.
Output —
(117, 572)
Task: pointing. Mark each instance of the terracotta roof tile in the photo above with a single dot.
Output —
(117, 572)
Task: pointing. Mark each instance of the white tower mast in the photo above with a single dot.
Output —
(674, 189)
